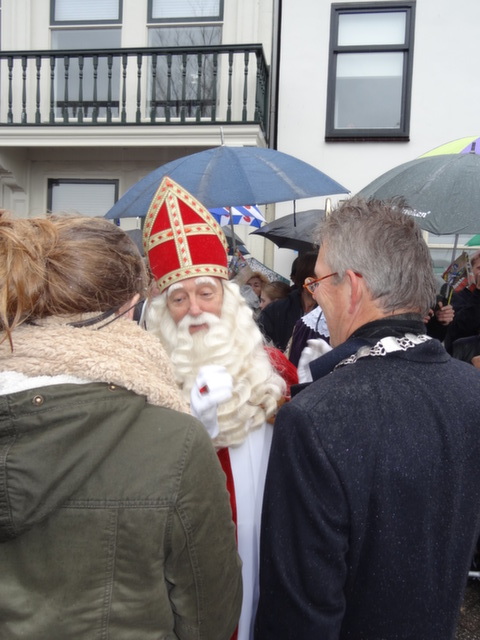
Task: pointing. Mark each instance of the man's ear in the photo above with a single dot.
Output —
(129, 307)
(356, 289)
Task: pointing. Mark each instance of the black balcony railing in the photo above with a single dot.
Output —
(177, 85)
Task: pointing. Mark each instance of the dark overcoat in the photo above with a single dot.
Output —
(372, 501)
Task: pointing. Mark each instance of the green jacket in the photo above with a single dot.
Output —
(114, 520)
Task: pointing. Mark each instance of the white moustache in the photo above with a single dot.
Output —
(204, 318)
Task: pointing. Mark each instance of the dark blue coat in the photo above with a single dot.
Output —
(277, 320)
(466, 322)
(372, 502)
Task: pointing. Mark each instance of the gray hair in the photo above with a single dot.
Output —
(385, 245)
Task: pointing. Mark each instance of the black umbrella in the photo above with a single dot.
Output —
(234, 242)
(293, 231)
(443, 191)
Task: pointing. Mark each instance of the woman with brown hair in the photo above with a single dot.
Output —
(273, 291)
(114, 517)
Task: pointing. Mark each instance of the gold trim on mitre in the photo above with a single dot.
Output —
(196, 270)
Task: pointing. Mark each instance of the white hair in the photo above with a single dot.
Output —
(233, 341)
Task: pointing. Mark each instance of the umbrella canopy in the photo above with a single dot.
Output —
(293, 231)
(137, 236)
(443, 191)
(470, 144)
(229, 177)
(234, 241)
(474, 242)
(255, 265)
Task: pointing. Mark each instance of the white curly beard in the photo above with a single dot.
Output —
(233, 341)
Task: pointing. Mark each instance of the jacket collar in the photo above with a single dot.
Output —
(367, 335)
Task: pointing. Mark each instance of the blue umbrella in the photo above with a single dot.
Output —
(229, 177)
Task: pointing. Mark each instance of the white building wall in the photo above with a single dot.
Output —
(445, 91)
(445, 98)
(445, 94)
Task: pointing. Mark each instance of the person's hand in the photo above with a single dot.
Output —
(476, 362)
(213, 386)
(444, 313)
(315, 348)
(429, 316)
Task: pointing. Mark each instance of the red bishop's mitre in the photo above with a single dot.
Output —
(181, 238)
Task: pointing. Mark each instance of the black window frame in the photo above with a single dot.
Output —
(353, 135)
(53, 182)
(181, 19)
(56, 23)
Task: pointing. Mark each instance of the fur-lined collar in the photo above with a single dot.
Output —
(120, 353)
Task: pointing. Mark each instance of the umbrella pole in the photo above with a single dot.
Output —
(455, 245)
(234, 243)
(328, 207)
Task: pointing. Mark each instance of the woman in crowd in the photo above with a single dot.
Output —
(273, 291)
(114, 517)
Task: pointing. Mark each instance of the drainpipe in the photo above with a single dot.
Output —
(274, 74)
(268, 247)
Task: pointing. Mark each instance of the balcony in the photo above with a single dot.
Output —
(202, 85)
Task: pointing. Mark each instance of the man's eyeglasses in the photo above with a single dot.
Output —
(311, 284)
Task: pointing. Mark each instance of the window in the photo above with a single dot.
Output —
(85, 11)
(87, 197)
(184, 10)
(86, 86)
(370, 71)
(185, 83)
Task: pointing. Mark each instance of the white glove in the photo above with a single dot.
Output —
(314, 349)
(213, 386)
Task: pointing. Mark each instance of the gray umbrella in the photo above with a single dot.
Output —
(293, 231)
(442, 190)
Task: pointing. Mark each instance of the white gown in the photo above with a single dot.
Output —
(249, 466)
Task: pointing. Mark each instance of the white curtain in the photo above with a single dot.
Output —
(88, 199)
(86, 10)
(164, 9)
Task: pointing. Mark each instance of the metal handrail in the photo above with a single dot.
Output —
(135, 85)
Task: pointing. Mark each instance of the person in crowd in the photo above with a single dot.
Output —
(438, 319)
(219, 357)
(467, 349)
(250, 283)
(257, 280)
(466, 303)
(311, 326)
(293, 270)
(465, 296)
(114, 518)
(370, 512)
(273, 291)
(278, 319)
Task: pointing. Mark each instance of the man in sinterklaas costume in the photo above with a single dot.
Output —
(224, 369)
